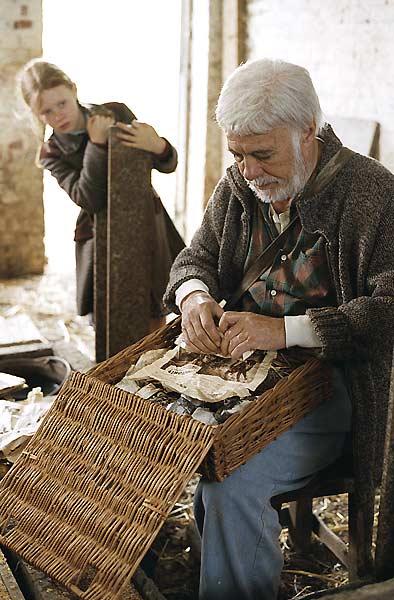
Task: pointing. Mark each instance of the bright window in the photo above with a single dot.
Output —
(118, 50)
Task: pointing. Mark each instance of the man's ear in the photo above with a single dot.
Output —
(309, 135)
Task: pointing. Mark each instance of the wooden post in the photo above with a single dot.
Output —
(384, 556)
(9, 588)
(123, 251)
(100, 285)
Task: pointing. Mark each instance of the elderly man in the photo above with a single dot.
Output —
(329, 286)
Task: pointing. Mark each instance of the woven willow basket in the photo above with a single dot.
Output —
(92, 489)
(245, 433)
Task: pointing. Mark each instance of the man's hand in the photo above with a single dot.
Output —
(243, 331)
(201, 333)
(98, 127)
(140, 135)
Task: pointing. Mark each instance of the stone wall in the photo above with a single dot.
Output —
(21, 204)
(347, 45)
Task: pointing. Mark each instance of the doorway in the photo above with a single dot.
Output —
(123, 51)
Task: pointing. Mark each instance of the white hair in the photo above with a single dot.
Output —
(263, 94)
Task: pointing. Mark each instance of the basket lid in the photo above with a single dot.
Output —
(89, 494)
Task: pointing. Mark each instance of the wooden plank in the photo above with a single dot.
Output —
(122, 251)
(331, 540)
(375, 591)
(19, 337)
(385, 535)
(100, 285)
(9, 588)
(37, 586)
(34, 583)
(17, 330)
(300, 526)
(130, 233)
(10, 383)
(361, 135)
(26, 350)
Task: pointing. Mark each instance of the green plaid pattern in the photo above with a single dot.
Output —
(299, 277)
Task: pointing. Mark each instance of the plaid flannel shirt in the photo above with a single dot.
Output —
(299, 277)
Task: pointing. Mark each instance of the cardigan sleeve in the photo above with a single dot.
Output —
(363, 327)
(200, 259)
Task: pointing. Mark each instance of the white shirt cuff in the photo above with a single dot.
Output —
(186, 288)
(300, 332)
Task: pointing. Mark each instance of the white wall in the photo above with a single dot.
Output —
(347, 46)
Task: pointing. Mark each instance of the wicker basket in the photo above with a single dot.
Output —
(92, 489)
(245, 433)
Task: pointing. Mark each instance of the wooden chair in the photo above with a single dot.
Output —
(301, 521)
(337, 479)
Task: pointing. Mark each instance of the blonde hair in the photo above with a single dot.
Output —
(38, 75)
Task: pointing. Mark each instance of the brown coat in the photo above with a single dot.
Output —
(80, 168)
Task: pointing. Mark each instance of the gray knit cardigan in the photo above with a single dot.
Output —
(355, 214)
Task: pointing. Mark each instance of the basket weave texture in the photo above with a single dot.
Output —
(245, 433)
(89, 494)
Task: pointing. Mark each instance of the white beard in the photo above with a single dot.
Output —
(286, 188)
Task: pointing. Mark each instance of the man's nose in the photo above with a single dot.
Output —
(252, 168)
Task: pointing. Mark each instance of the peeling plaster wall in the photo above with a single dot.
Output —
(21, 188)
(347, 46)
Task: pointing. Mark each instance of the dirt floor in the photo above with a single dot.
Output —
(173, 560)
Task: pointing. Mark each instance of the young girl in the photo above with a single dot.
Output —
(76, 155)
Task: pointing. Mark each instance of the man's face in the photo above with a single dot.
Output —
(58, 108)
(274, 164)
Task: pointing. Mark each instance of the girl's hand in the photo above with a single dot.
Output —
(140, 135)
(97, 128)
(243, 331)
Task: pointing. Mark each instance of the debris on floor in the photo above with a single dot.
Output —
(49, 303)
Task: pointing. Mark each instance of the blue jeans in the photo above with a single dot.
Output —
(241, 558)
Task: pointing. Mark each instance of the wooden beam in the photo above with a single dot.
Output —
(130, 235)
(123, 262)
(385, 536)
(331, 540)
(184, 114)
(9, 588)
(375, 591)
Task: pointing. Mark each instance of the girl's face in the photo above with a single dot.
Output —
(58, 108)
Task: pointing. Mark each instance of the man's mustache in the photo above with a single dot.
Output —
(264, 181)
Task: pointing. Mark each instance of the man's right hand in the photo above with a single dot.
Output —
(199, 329)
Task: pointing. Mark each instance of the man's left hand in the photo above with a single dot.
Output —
(243, 331)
